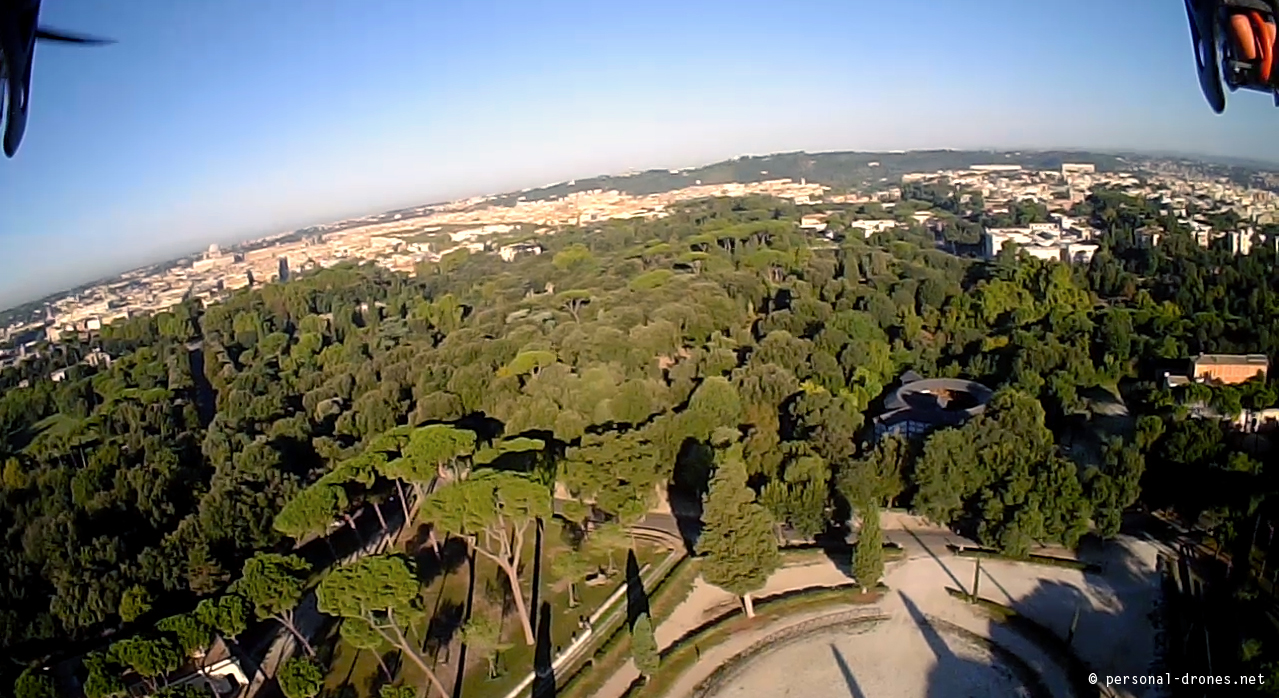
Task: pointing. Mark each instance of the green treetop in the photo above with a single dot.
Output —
(33, 684)
(311, 511)
(274, 584)
(301, 678)
(493, 512)
(382, 593)
(482, 634)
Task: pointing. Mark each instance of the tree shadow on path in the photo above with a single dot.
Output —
(854, 690)
(636, 597)
(543, 656)
(954, 676)
(938, 560)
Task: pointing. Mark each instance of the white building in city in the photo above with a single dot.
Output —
(1068, 168)
(1045, 241)
(508, 253)
(1241, 241)
(872, 226)
(813, 221)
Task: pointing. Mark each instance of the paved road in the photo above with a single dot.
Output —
(920, 542)
(661, 522)
(913, 533)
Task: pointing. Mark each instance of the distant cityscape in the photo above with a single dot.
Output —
(498, 225)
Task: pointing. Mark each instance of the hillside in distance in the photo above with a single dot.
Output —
(836, 169)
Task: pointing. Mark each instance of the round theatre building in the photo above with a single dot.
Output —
(923, 404)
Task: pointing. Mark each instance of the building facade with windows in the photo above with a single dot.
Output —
(1229, 368)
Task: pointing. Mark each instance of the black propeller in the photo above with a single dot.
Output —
(46, 34)
(19, 32)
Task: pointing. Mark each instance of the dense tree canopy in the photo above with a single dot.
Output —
(135, 491)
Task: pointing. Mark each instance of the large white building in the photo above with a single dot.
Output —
(1077, 168)
(874, 225)
(508, 253)
(1241, 241)
(1047, 241)
(813, 221)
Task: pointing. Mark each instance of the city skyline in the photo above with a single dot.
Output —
(1209, 207)
(211, 123)
(198, 248)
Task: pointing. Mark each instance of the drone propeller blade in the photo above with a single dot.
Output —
(51, 35)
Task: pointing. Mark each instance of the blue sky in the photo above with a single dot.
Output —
(220, 120)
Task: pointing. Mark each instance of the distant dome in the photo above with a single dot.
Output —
(213, 250)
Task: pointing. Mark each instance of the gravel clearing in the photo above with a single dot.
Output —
(895, 658)
(949, 652)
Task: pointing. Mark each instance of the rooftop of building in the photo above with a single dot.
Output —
(921, 403)
(1231, 360)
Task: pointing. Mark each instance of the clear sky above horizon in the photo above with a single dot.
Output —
(221, 120)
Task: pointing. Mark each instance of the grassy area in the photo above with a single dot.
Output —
(445, 605)
(440, 240)
(518, 660)
(1046, 560)
(354, 673)
(57, 428)
(351, 671)
(1048, 641)
(438, 233)
(612, 654)
(681, 656)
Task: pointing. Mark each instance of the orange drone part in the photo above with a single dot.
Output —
(1245, 42)
(1266, 30)
(1254, 41)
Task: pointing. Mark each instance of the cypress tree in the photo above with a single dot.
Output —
(868, 558)
(644, 647)
(737, 537)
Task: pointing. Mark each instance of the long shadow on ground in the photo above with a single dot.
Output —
(543, 655)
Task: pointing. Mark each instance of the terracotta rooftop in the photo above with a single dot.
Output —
(1232, 360)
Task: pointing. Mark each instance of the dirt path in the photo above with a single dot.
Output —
(1111, 611)
(718, 655)
(919, 591)
(896, 657)
(707, 601)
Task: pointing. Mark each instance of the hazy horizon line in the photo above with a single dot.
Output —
(238, 240)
